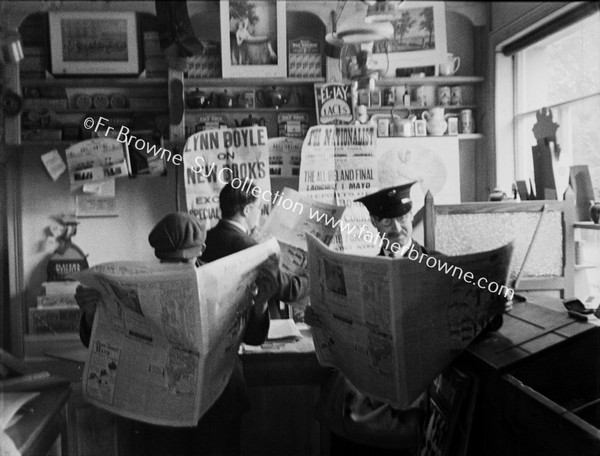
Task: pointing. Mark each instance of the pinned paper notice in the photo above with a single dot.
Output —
(104, 188)
(54, 164)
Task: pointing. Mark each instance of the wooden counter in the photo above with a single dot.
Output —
(539, 380)
(36, 432)
(283, 381)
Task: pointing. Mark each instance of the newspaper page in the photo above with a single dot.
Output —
(212, 158)
(339, 165)
(284, 156)
(96, 160)
(166, 336)
(292, 216)
(392, 325)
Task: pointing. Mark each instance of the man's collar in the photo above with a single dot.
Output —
(237, 224)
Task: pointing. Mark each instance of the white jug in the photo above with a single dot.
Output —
(436, 121)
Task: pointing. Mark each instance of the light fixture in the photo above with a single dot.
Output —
(356, 33)
(384, 11)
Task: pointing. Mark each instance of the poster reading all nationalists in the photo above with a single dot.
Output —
(338, 166)
(212, 158)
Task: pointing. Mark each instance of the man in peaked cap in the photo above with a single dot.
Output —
(391, 213)
(362, 425)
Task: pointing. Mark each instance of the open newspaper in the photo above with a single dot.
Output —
(392, 325)
(300, 215)
(166, 336)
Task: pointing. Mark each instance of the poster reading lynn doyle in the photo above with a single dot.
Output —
(212, 158)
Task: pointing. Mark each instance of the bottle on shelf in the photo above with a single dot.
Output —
(406, 98)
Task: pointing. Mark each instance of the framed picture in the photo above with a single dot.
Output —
(253, 38)
(419, 39)
(93, 43)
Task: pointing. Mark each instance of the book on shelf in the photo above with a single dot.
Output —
(54, 320)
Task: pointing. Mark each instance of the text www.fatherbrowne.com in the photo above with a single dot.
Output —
(277, 199)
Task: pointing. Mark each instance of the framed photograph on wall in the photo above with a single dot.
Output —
(253, 38)
(419, 39)
(93, 43)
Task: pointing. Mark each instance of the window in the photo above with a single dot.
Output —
(561, 72)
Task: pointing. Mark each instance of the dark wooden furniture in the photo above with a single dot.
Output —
(283, 381)
(37, 432)
(544, 254)
(44, 428)
(539, 384)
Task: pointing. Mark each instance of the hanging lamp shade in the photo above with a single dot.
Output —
(384, 11)
(333, 45)
(353, 32)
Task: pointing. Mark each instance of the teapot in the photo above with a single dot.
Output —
(225, 100)
(402, 126)
(251, 121)
(198, 99)
(436, 121)
(595, 211)
(274, 98)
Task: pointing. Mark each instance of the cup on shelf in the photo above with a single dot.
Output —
(450, 66)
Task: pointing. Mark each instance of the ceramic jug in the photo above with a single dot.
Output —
(436, 121)
(595, 211)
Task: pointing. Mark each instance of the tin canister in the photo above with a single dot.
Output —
(388, 97)
(383, 126)
(443, 95)
(456, 95)
(421, 96)
(467, 124)
(452, 126)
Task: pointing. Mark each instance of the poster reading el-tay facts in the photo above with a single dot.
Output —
(338, 166)
(212, 158)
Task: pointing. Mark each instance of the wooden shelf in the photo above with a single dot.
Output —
(125, 111)
(387, 109)
(249, 110)
(50, 143)
(587, 225)
(460, 137)
(431, 80)
(94, 82)
(250, 82)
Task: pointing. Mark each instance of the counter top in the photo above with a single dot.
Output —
(528, 329)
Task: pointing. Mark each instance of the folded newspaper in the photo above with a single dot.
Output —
(392, 325)
(166, 336)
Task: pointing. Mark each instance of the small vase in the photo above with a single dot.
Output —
(595, 211)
